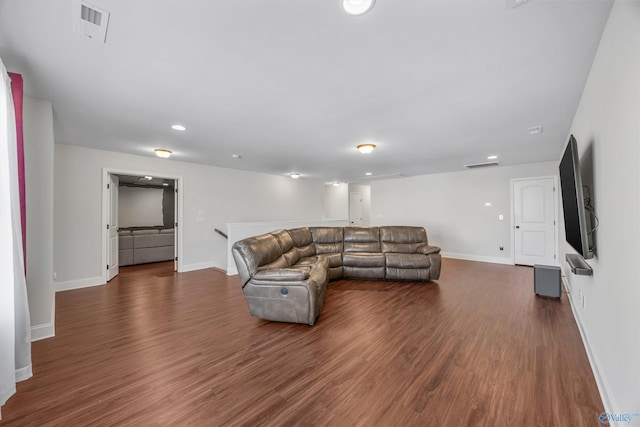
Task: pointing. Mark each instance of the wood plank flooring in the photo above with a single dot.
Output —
(158, 348)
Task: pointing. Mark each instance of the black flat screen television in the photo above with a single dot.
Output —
(576, 219)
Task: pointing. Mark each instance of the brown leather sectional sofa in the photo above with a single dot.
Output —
(284, 274)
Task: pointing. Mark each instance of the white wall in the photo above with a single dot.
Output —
(140, 206)
(337, 197)
(38, 153)
(215, 196)
(451, 206)
(607, 128)
(336, 201)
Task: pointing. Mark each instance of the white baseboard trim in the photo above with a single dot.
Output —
(480, 258)
(40, 332)
(600, 383)
(198, 266)
(79, 283)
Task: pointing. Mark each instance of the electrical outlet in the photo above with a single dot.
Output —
(55, 276)
(501, 248)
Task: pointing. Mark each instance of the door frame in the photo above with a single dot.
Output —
(106, 205)
(555, 213)
(114, 198)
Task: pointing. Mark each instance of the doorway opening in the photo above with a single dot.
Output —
(141, 211)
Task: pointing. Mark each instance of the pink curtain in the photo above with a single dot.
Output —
(16, 90)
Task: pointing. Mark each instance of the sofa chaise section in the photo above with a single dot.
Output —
(275, 289)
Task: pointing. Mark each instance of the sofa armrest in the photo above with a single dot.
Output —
(427, 250)
(282, 274)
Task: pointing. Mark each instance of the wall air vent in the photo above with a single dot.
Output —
(481, 165)
(90, 21)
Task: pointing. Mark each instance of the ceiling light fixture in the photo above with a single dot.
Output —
(366, 148)
(357, 7)
(336, 184)
(294, 175)
(148, 178)
(178, 127)
(236, 156)
(368, 173)
(492, 157)
(162, 152)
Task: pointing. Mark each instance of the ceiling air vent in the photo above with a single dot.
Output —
(378, 177)
(90, 21)
(515, 3)
(481, 165)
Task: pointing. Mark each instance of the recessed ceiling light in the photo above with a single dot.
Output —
(366, 148)
(368, 173)
(148, 178)
(492, 157)
(162, 152)
(165, 184)
(236, 156)
(294, 175)
(178, 127)
(357, 7)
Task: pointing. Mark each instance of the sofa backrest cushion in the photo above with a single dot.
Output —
(289, 252)
(327, 239)
(361, 239)
(252, 253)
(303, 241)
(402, 239)
(284, 240)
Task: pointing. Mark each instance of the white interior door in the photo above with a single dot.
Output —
(534, 220)
(355, 209)
(112, 250)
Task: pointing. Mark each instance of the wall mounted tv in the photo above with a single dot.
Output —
(577, 224)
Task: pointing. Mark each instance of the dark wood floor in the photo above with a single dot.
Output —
(154, 347)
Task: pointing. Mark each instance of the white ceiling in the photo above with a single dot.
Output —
(295, 85)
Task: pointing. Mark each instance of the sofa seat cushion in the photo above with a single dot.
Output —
(334, 259)
(407, 260)
(363, 259)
